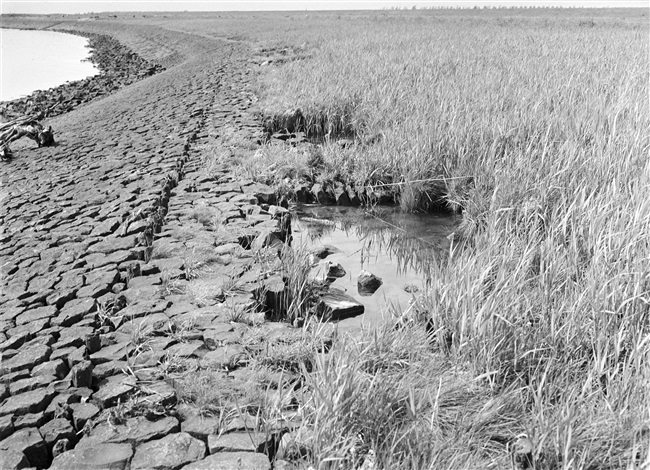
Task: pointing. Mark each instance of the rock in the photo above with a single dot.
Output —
(31, 329)
(94, 291)
(368, 283)
(93, 342)
(98, 457)
(76, 356)
(61, 446)
(341, 195)
(28, 402)
(335, 270)
(142, 309)
(189, 349)
(355, 200)
(15, 341)
(201, 426)
(232, 461)
(262, 192)
(241, 422)
(112, 244)
(224, 357)
(29, 420)
(40, 313)
(108, 369)
(411, 288)
(106, 227)
(26, 358)
(56, 430)
(322, 251)
(73, 311)
(170, 452)
(25, 385)
(302, 193)
(134, 430)
(82, 374)
(320, 194)
(237, 442)
(158, 393)
(220, 334)
(115, 352)
(6, 426)
(268, 238)
(337, 305)
(112, 389)
(57, 368)
(12, 459)
(81, 413)
(29, 442)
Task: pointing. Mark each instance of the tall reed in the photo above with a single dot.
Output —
(539, 131)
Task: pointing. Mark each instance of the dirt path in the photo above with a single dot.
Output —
(115, 291)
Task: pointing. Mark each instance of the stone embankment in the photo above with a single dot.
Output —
(127, 337)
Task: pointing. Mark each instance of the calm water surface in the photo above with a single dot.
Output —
(38, 60)
(397, 247)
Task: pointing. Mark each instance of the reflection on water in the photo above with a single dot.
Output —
(400, 248)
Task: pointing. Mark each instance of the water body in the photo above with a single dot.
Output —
(38, 60)
(397, 247)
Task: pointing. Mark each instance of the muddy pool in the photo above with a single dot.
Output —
(399, 248)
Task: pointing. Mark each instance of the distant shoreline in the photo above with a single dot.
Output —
(118, 66)
(60, 58)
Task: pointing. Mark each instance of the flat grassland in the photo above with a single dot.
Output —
(535, 125)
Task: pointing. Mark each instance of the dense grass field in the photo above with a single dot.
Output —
(538, 128)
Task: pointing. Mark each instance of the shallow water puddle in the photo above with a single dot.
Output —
(399, 248)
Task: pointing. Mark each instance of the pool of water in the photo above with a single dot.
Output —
(399, 248)
(38, 60)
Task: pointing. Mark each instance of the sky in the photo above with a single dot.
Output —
(96, 6)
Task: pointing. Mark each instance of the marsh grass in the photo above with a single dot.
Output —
(539, 134)
(388, 395)
(470, 105)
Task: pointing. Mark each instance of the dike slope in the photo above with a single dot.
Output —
(103, 319)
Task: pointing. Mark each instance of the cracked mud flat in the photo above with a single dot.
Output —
(100, 307)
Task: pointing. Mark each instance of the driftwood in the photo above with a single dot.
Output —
(20, 121)
(25, 126)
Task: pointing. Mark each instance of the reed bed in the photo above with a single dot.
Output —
(473, 103)
(540, 131)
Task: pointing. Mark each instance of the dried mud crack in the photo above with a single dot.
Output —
(131, 278)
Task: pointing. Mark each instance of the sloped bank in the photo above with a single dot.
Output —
(101, 353)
